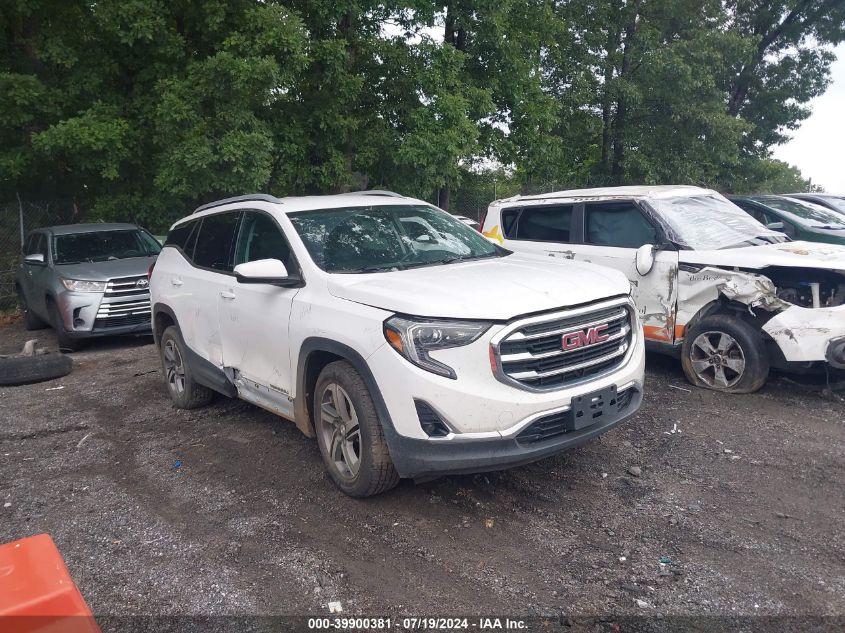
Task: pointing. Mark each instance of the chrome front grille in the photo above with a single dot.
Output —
(530, 352)
(121, 286)
(123, 313)
(116, 309)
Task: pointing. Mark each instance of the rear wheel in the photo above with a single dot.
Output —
(30, 320)
(349, 433)
(727, 354)
(185, 392)
(66, 342)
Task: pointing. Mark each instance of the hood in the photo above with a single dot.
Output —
(798, 254)
(109, 269)
(490, 289)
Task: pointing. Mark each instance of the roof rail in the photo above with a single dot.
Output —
(374, 192)
(263, 197)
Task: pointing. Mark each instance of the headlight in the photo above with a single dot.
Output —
(415, 338)
(80, 285)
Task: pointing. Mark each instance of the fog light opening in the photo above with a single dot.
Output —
(430, 422)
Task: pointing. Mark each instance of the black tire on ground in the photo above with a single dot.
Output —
(705, 364)
(375, 471)
(30, 320)
(66, 343)
(23, 370)
(185, 392)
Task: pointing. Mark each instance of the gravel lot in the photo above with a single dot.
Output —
(745, 499)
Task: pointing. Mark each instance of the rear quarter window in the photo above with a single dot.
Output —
(178, 235)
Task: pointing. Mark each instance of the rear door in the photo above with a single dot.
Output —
(202, 283)
(609, 233)
(544, 229)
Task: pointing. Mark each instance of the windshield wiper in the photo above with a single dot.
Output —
(466, 258)
(830, 227)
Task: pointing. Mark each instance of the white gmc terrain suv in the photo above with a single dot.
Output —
(409, 344)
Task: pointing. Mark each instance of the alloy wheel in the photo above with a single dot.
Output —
(174, 367)
(717, 359)
(340, 431)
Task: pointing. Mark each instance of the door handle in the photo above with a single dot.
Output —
(227, 294)
(175, 282)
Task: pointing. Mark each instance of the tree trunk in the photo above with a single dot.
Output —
(613, 35)
(444, 198)
(620, 121)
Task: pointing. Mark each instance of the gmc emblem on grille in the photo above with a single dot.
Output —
(583, 338)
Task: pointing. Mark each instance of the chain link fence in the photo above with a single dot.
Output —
(474, 195)
(17, 218)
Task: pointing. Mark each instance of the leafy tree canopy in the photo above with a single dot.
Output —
(140, 109)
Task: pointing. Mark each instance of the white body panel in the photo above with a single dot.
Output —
(475, 289)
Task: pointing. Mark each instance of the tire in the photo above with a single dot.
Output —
(24, 370)
(66, 343)
(724, 353)
(185, 392)
(349, 433)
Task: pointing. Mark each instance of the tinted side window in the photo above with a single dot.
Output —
(41, 245)
(619, 224)
(509, 217)
(31, 241)
(545, 224)
(261, 239)
(215, 240)
(178, 235)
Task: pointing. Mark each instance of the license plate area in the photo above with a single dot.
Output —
(592, 408)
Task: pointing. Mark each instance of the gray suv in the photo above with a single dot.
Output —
(87, 280)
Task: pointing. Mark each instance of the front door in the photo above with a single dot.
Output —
(255, 317)
(36, 277)
(612, 233)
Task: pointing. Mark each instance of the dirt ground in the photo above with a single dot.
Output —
(740, 496)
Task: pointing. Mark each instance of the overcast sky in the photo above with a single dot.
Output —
(816, 147)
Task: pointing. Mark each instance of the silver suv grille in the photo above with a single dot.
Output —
(123, 309)
(531, 353)
(134, 285)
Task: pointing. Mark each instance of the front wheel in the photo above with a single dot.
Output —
(349, 433)
(725, 353)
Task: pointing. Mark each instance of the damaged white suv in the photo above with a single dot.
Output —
(406, 342)
(712, 284)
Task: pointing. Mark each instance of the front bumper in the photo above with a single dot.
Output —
(92, 314)
(425, 459)
(807, 334)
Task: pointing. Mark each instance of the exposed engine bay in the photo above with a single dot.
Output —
(808, 287)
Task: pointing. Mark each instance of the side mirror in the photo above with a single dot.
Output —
(775, 226)
(35, 258)
(645, 259)
(265, 271)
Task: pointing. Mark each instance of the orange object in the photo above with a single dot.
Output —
(37, 594)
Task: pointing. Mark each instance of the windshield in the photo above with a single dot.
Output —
(99, 246)
(709, 222)
(806, 213)
(836, 201)
(379, 238)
